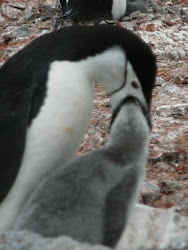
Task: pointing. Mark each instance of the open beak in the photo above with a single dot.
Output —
(130, 98)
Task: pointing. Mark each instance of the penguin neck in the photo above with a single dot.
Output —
(129, 135)
(107, 68)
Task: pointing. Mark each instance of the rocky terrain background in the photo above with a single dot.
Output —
(165, 29)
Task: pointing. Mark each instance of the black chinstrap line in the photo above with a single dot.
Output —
(124, 82)
(138, 103)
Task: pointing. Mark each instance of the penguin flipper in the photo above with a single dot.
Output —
(12, 141)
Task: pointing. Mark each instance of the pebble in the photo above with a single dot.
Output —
(179, 244)
(22, 31)
(49, 9)
(183, 13)
(168, 187)
(31, 15)
(102, 22)
(159, 81)
(135, 14)
(110, 21)
(56, 24)
(149, 192)
(126, 18)
(137, 5)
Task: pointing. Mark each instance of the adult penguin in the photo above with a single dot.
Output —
(46, 101)
(96, 10)
(86, 10)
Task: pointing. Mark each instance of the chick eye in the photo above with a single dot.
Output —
(135, 85)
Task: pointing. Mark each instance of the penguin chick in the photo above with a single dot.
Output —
(90, 198)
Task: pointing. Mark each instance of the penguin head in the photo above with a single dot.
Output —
(117, 58)
(112, 55)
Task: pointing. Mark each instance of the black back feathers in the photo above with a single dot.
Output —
(86, 10)
(76, 43)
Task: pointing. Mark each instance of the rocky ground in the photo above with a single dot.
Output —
(165, 29)
(163, 230)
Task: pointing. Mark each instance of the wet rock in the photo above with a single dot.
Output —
(135, 14)
(102, 22)
(182, 208)
(136, 6)
(149, 3)
(159, 81)
(12, 11)
(21, 32)
(183, 13)
(151, 228)
(51, 10)
(149, 192)
(32, 14)
(176, 80)
(56, 24)
(168, 187)
(110, 21)
(126, 18)
(151, 16)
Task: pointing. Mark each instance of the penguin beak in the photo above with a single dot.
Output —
(144, 109)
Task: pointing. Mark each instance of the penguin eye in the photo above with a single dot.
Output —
(135, 85)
